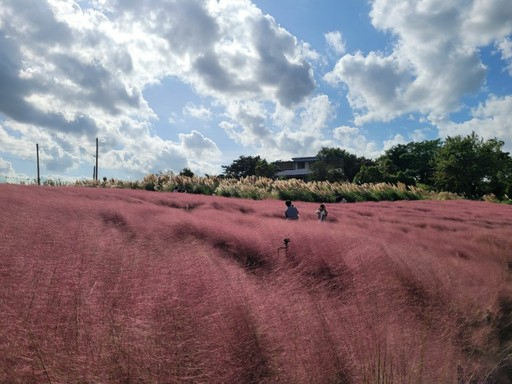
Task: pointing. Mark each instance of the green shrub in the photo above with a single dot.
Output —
(296, 194)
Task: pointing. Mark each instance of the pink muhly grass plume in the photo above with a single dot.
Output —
(134, 286)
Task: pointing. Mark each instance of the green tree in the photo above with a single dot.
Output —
(249, 166)
(472, 167)
(336, 164)
(265, 169)
(369, 174)
(186, 172)
(410, 163)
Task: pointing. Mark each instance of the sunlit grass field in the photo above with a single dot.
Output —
(131, 286)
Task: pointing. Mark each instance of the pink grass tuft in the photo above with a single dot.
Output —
(129, 286)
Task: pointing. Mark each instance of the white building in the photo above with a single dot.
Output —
(298, 167)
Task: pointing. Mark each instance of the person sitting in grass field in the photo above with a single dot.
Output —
(291, 212)
(321, 213)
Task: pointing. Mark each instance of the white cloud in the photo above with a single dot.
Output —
(280, 133)
(150, 153)
(505, 46)
(486, 21)
(227, 49)
(418, 135)
(305, 135)
(434, 62)
(72, 73)
(315, 115)
(377, 85)
(249, 124)
(147, 154)
(198, 112)
(395, 140)
(352, 140)
(127, 146)
(202, 153)
(198, 144)
(335, 42)
(59, 160)
(490, 119)
(6, 168)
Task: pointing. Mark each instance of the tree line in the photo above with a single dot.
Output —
(466, 165)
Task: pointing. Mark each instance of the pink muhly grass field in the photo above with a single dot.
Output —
(129, 286)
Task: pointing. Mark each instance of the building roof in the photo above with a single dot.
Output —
(294, 172)
(307, 158)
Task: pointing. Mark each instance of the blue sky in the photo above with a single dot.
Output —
(168, 84)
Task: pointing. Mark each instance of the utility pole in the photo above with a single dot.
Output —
(38, 177)
(96, 172)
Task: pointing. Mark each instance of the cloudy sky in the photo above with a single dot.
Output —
(168, 84)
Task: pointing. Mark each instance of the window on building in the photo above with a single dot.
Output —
(301, 165)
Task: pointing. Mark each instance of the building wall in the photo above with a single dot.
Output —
(296, 168)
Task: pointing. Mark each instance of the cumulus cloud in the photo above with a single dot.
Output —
(6, 168)
(505, 46)
(148, 154)
(489, 119)
(354, 141)
(434, 62)
(486, 21)
(198, 112)
(335, 42)
(225, 49)
(418, 135)
(377, 85)
(71, 73)
(135, 151)
(281, 133)
(17, 87)
(305, 135)
(249, 124)
(294, 78)
(58, 160)
(198, 144)
(395, 140)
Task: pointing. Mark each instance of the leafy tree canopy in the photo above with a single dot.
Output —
(473, 167)
(249, 166)
(336, 164)
(369, 174)
(186, 172)
(410, 163)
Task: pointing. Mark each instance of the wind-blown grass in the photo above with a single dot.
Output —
(109, 286)
(259, 188)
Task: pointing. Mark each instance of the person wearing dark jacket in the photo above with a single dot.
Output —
(291, 212)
